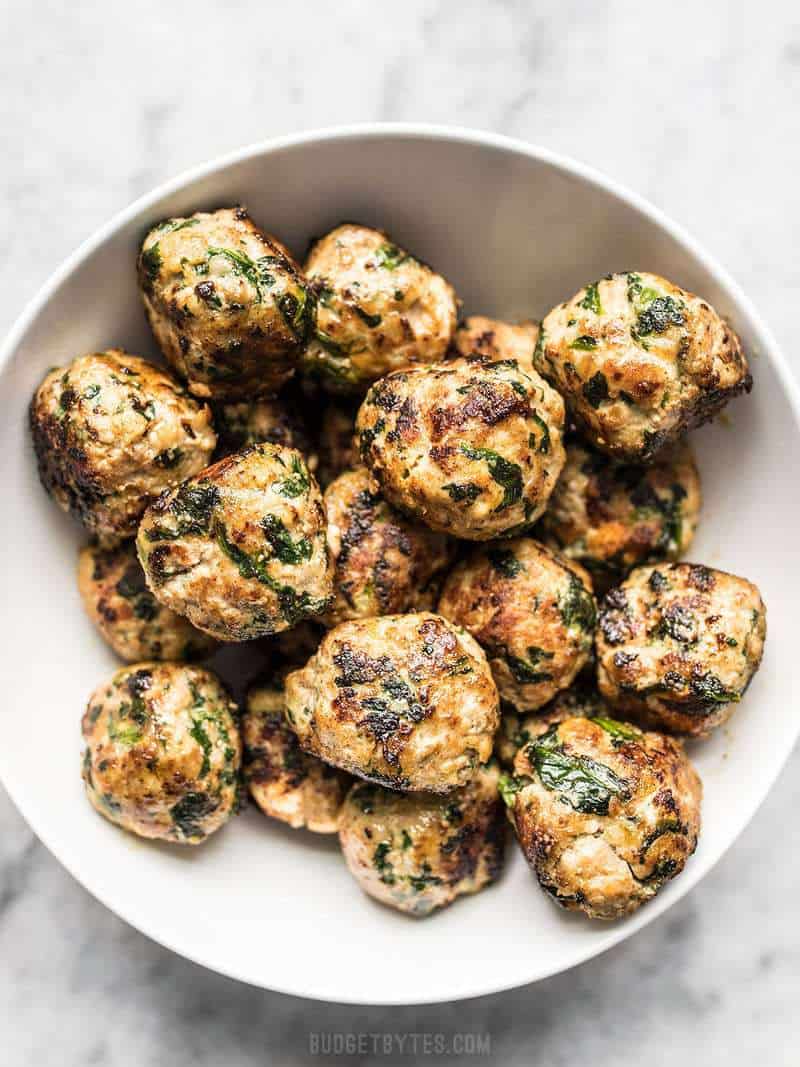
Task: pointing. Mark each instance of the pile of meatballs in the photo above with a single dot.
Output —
(459, 572)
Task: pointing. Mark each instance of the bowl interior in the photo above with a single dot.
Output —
(515, 232)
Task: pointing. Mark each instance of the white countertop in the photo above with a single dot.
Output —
(693, 105)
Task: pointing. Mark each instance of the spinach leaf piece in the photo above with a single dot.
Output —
(583, 783)
(508, 475)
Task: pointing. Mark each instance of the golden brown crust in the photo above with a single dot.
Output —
(285, 782)
(129, 618)
(417, 852)
(678, 644)
(406, 701)
(494, 339)
(384, 564)
(604, 813)
(639, 361)
(229, 307)
(611, 516)
(379, 309)
(532, 612)
(471, 447)
(162, 751)
(241, 549)
(111, 431)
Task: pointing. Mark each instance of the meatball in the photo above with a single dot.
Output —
(604, 813)
(406, 701)
(516, 730)
(384, 564)
(472, 447)
(493, 339)
(532, 612)
(379, 309)
(639, 361)
(338, 449)
(227, 304)
(287, 783)
(162, 751)
(678, 644)
(111, 431)
(129, 618)
(611, 516)
(240, 549)
(418, 852)
(270, 420)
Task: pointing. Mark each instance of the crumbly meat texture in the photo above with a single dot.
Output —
(472, 447)
(494, 339)
(162, 752)
(418, 852)
(604, 813)
(678, 644)
(337, 446)
(241, 549)
(112, 431)
(406, 701)
(285, 782)
(115, 596)
(611, 516)
(228, 305)
(384, 564)
(531, 611)
(639, 361)
(379, 309)
(270, 420)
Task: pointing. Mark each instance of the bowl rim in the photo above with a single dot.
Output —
(617, 932)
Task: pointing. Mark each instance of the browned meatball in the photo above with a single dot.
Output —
(111, 431)
(241, 549)
(162, 751)
(516, 729)
(678, 644)
(532, 612)
(471, 447)
(418, 852)
(116, 598)
(639, 361)
(383, 563)
(269, 420)
(406, 701)
(610, 516)
(605, 813)
(227, 304)
(493, 339)
(379, 309)
(285, 782)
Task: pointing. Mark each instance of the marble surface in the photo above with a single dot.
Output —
(695, 106)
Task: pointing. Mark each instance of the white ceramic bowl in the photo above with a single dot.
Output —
(516, 229)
